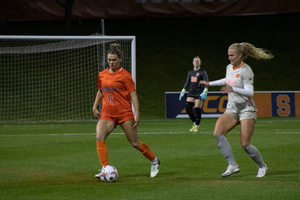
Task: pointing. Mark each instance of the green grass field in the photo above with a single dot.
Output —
(59, 161)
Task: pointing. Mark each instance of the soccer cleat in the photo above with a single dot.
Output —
(155, 168)
(196, 129)
(231, 169)
(98, 176)
(193, 127)
(262, 171)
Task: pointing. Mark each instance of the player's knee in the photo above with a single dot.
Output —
(135, 143)
(245, 148)
(100, 136)
(219, 131)
(216, 134)
(245, 144)
(189, 107)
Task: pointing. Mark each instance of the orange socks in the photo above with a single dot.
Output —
(102, 152)
(103, 155)
(146, 151)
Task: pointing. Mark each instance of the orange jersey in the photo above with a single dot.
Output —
(116, 88)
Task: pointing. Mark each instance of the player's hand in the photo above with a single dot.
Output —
(202, 83)
(96, 113)
(203, 95)
(181, 94)
(137, 120)
(226, 89)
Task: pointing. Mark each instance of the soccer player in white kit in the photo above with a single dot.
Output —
(240, 107)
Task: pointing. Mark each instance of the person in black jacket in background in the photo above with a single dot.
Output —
(197, 93)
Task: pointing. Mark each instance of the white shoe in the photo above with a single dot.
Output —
(155, 168)
(262, 171)
(100, 175)
(231, 169)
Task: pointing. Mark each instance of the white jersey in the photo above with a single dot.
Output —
(239, 77)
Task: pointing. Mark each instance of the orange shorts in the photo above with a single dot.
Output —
(119, 119)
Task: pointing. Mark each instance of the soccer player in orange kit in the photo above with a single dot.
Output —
(115, 88)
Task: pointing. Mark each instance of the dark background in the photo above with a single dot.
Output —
(167, 46)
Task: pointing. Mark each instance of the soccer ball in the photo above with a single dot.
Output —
(109, 174)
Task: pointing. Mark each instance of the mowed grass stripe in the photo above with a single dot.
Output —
(48, 161)
(153, 133)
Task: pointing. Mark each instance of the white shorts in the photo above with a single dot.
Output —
(244, 115)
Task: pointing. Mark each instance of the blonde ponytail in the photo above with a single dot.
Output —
(248, 49)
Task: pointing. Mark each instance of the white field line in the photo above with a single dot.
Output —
(285, 131)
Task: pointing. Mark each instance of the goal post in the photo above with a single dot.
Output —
(54, 78)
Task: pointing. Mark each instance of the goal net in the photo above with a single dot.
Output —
(54, 78)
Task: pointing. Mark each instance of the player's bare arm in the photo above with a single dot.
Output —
(135, 102)
(203, 83)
